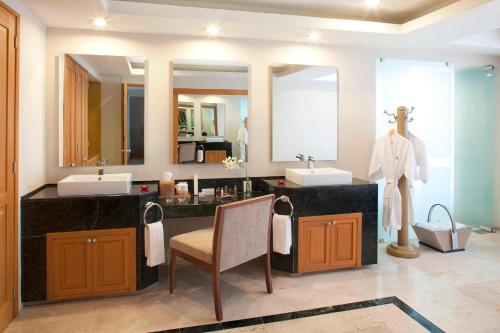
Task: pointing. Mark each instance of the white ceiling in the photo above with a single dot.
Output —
(388, 11)
(103, 65)
(446, 28)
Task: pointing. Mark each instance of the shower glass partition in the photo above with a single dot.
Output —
(474, 146)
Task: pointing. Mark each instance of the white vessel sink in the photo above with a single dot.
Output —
(117, 183)
(318, 177)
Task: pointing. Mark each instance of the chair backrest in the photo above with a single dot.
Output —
(242, 231)
(186, 152)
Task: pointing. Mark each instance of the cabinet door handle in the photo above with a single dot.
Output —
(334, 222)
(89, 240)
(94, 241)
(329, 224)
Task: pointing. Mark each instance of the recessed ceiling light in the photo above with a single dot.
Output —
(213, 30)
(314, 36)
(372, 3)
(100, 22)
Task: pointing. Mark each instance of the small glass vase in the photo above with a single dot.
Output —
(247, 186)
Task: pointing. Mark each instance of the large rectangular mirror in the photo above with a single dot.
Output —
(101, 110)
(210, 111)
(304, 111)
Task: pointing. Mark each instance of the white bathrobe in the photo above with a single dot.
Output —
(391, 159)
(420, 167)
(242, 140)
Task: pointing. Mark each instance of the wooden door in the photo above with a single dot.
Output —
(345, 235)
(94, 122)
(114, 261)
(125, 144)
(69, 265)
(69, 115)
(314, 244)
(75, 114)
(8, 179)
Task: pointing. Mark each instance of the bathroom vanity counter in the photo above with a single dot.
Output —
(44, 212)
(317, 201)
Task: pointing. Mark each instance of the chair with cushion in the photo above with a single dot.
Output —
(242, 232)
(186, 153)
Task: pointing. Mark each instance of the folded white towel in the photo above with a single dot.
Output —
(282, 234)
(154, 244)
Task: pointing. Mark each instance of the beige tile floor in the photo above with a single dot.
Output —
(380, 319)
(459, 292)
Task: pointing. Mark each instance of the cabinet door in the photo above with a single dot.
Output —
(345, 241)
(69, 265)
(214, 156)
(314, 244)
(114, 261)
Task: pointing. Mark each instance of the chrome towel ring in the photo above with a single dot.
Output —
(148, 206)
(286, 199)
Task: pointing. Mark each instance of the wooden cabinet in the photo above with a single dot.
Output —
(86, 263)
(215, 156)
(75, 114)
(329, 242)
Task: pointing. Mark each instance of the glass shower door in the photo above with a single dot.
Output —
(474, 154)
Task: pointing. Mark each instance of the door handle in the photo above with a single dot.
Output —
(94, 241)
(329, 224)
(89, 240)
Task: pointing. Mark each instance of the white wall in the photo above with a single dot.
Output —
(356, 119)
(300, 105)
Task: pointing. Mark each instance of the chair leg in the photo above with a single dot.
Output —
(217, 300)
(171, 270)
(267, 268)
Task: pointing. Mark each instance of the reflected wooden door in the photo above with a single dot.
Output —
(8, 124)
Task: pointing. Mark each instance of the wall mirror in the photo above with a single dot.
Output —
(304, 111)
(210, 111)
(101, 110)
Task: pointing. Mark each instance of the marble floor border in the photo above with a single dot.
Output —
(427, 324)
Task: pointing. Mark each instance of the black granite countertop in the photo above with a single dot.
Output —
(202, 206)
(49, 191)
(294, 186)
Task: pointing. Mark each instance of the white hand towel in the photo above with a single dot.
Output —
(282, 234)
(154, 244)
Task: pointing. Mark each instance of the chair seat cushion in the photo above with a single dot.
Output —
(197, 244)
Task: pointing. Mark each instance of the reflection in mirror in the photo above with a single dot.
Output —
(211, 111)
(102, 110)
(304, 111)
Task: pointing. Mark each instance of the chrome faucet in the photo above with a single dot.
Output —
(310, 162)
(300, 157)
(100, 166)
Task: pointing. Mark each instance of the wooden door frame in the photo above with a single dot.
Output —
(188, 91)
(124, 152)
(16, 156)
